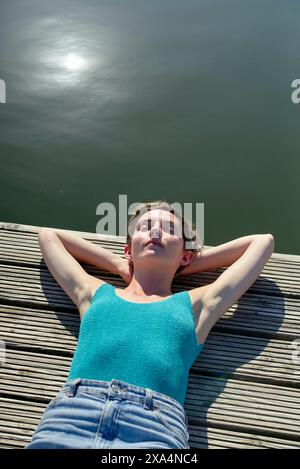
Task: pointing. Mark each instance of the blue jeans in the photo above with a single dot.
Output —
(90, 414)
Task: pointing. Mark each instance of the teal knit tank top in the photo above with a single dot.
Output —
(152, 345)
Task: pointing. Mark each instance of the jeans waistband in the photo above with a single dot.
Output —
(116, 389)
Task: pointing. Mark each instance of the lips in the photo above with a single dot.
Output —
(153, 242)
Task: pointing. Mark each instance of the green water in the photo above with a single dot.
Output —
(189, 101)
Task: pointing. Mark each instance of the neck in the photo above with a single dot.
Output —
(150, 283)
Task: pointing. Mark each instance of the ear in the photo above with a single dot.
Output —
(127, 252)
(187, 257)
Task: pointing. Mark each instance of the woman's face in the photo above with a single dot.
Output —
(158, 238)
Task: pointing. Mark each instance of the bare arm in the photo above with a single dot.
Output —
(59, 252)
(88, 252)
(214, 299)
(220, 256)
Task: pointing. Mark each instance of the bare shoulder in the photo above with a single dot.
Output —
(92, 285)
(197, 295)
(197, 300)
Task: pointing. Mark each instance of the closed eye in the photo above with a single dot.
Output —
(166, 226)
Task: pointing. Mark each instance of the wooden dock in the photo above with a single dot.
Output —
(243, 388)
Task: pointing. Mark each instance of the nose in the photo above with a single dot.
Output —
(155, 232)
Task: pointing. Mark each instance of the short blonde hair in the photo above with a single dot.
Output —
(189, 232)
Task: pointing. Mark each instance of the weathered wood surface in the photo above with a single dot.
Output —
(243, 388)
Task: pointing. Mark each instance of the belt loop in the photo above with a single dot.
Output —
(73, 387)
(148, 399)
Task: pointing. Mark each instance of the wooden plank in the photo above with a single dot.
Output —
(27, 234)
(14, 277)
(33, 229)
(282, 278)
(19, 419)
(30, 285)
(244, 406)
(220, 438)
(21, 284)
(269, 281)
(243, 388)
(288, 280)
(31, 254)
(264, 408)
(223, 355)
(254, 316)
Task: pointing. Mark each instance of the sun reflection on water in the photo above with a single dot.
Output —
(74, 62)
